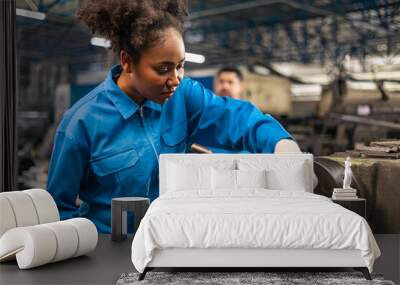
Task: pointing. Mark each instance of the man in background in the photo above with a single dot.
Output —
(229, 82)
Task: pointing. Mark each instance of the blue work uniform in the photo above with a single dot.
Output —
(108, 146)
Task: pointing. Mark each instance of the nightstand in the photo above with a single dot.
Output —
(119, 208)
(357, 205)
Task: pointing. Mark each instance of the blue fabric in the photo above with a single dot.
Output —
(104, 148)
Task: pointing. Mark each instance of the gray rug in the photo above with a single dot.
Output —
(269, 278)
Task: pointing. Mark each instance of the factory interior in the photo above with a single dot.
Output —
(327, 70)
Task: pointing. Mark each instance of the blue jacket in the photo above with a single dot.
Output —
(108, 146)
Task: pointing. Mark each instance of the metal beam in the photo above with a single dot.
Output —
(300, 6)
(231, 8)
(8, 97)
(323, 12)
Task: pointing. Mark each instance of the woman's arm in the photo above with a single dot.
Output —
(226, 123)
(67, 168)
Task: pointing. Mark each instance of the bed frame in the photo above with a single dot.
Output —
(241, 259)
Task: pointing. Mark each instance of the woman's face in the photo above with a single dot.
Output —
(158, 72)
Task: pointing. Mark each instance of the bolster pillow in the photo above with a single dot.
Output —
(26, 208)
(40, 244)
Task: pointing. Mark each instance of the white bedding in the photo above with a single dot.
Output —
(251, 218)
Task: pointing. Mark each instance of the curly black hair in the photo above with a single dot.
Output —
(132, 25)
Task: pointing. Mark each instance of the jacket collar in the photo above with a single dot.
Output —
(125, 105)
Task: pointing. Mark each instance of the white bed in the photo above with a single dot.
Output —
(247, 210)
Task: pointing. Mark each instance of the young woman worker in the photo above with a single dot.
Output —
(108, 143)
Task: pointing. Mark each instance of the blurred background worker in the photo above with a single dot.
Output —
(229, 82)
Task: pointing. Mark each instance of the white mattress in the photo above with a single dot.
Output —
(252, 219)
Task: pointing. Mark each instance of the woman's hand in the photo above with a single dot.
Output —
(286, 145)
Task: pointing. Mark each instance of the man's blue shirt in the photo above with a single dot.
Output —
(108, 146)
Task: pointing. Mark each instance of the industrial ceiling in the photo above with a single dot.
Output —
(232, 31)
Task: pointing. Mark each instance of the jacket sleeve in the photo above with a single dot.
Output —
(223, 122)
(67, 168)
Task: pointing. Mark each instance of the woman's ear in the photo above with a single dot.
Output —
(125, 61)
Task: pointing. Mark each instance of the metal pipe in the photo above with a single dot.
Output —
(365, 121)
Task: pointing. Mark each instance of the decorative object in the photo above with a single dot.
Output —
(346, 192)
(347, 174)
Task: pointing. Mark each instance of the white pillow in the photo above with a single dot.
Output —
(251, 178)
(235, 179)
(282, 173)
(188, 177)
(293, 179)
(223, 179)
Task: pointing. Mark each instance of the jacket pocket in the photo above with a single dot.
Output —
(174, 138)
(115, 163)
